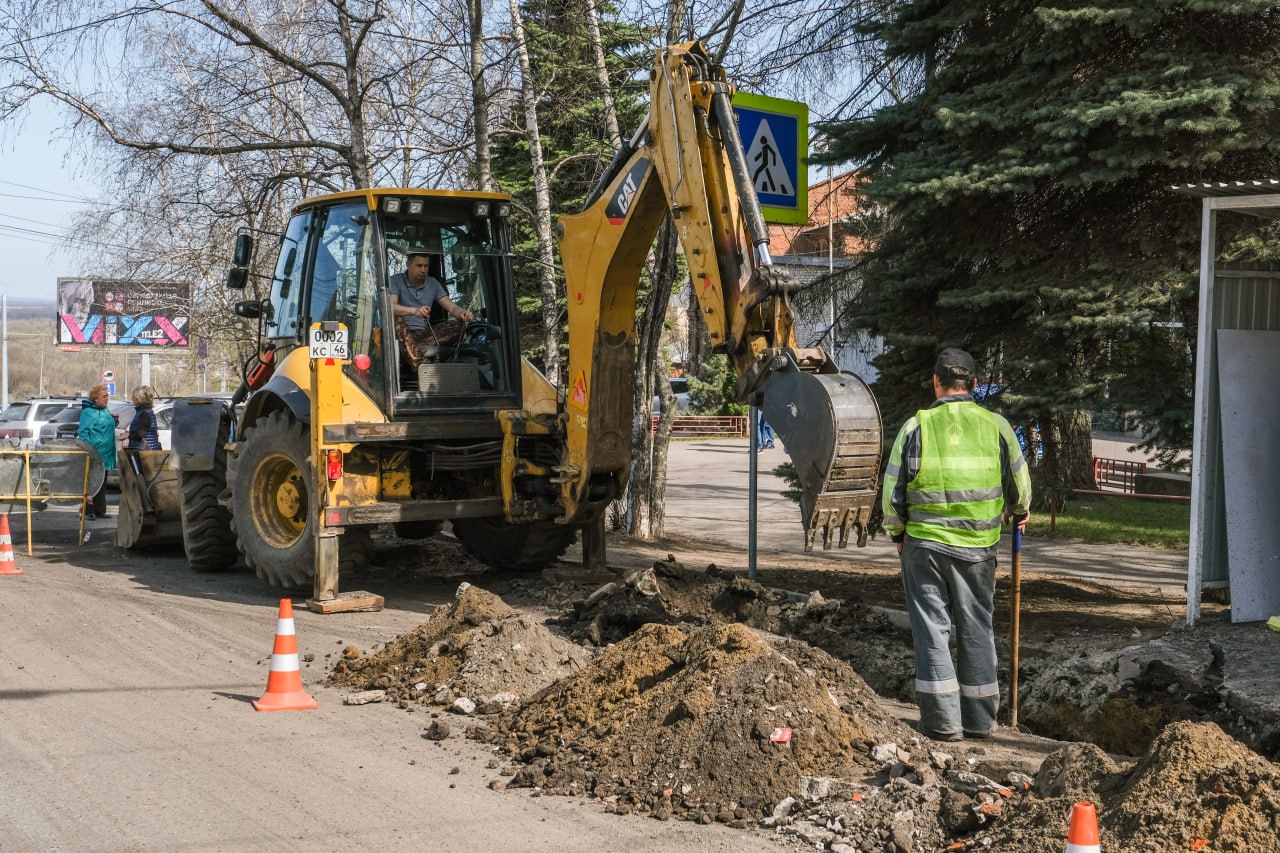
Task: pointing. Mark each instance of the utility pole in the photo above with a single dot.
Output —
(4, 355)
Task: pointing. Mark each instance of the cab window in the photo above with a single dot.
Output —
(344, 290)
(282, 320)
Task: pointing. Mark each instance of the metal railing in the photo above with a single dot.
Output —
(706, 426)
(1117, 474)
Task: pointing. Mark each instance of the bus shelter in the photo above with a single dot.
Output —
(1235, 473)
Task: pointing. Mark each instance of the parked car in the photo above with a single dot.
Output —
(21, 423)
(67, 423)
(679, 387)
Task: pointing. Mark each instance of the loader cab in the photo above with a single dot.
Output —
(338, 260)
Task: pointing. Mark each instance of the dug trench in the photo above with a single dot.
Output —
(693, 693)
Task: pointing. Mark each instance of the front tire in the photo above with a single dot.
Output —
(507, 547)
(272, 501)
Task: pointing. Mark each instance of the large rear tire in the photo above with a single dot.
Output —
(207, 536)
(507, 547)
(272, 497)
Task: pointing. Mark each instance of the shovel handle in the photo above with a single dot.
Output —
(1015, 613)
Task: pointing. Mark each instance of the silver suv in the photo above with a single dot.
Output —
(20, 423)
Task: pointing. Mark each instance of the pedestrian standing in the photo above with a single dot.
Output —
(764, 433)
(955, 472)
(144, 431)
(98, 428)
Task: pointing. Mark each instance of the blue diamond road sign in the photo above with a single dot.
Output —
(775, 136)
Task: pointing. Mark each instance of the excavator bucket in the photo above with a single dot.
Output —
(150, 512)
(835, 424)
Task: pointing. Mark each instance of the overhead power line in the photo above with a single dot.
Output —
(48, 198)
(42, 190)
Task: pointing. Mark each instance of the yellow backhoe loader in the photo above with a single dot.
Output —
(340, 431)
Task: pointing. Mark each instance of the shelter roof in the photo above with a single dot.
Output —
(1260, 197)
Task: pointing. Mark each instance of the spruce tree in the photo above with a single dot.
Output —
(1026, 188)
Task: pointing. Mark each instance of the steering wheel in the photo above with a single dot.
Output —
(479, 332)
(474, 342)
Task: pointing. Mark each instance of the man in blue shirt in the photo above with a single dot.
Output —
(413, 293)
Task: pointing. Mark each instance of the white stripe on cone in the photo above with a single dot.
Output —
(285, 626)
(284, 663)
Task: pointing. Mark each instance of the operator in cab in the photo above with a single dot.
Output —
(413, 293)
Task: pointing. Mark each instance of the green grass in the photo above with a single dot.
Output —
(1128, 521)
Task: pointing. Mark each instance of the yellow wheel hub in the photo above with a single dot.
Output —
(279, 501)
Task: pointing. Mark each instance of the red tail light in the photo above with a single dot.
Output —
(333, 469)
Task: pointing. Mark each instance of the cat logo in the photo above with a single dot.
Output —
(620, 204)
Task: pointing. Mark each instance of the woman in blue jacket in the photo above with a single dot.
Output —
(144, 430)
(98, 428)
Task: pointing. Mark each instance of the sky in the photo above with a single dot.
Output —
(38, 192)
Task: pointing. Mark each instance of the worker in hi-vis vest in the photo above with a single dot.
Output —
(955, 473)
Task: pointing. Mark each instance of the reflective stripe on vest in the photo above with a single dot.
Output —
(956, 498)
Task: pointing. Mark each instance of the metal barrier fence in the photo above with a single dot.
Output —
(35, 476)
(1117, 474)
(706, 426)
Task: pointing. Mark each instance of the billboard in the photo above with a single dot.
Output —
(123, 313)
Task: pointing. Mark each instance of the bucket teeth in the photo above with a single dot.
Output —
(838, 515)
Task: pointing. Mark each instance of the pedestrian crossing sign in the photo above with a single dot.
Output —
(775, 137)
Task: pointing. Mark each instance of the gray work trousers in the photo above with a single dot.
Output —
(943, 591)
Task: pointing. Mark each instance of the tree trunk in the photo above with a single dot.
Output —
(602, 75)
(479, 96)
(647, 482)
(1067, 464)
(542, 201)
(358, 153)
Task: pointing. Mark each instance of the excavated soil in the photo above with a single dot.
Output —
(1196, 788)
(682, 708)
(701, 724)
(474, 648)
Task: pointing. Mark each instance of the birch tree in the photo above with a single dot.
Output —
(542, 201)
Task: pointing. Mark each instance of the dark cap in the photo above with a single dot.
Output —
(954, 364)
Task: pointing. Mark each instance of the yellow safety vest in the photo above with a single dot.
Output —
(956, 498)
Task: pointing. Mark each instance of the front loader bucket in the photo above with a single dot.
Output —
(830, 424)
(150, 512)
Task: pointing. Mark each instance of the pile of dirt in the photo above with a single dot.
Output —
(669, 593)
(1195, 788)
(475, 648)
(718, 723)
(693, 713)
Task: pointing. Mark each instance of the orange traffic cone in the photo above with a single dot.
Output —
(7, 564)
(284, 684)
(1082, 837)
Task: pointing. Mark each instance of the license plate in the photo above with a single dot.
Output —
(329, 343)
